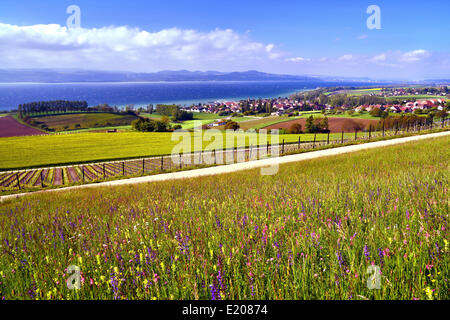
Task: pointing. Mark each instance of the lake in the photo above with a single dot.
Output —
(141, 94)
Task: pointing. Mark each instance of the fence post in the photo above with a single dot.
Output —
(42, 178)
(299, 142)
(104, 172)
(356, 134)
(83, 173)
(123, 168)
(328, 138)
(162, 163)
(342, 137)
(62, 175)
(314, 143)
(180, 161)
(282, 148)
(143, 166)
(370, 131)
(383, 128)
(18, 181)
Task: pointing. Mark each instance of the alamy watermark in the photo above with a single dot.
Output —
(74, 20)
(74, 280)
(226, 147)
(374, 20)
(374, 281)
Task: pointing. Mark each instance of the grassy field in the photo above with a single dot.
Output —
(309, 232)
(203, 117)
(197, 116)
(268, 121)
(356, 115)
(86, 120)
(425, 96)
(38, 151)
(263, 122)
(102, 129)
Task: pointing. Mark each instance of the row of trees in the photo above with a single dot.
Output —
(338, 100)
(150, 125)
(403, 121)
(31, 108)
(421, 91)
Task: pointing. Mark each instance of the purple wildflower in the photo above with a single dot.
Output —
(366, 252)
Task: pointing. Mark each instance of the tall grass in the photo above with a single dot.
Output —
(308, 232)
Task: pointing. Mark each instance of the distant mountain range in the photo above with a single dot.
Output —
(77, 75)
(58, 76)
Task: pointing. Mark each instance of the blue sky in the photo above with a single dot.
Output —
(297, 37)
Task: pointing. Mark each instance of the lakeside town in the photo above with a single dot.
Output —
(393, 100)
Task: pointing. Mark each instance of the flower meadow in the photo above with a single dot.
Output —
(309, 232)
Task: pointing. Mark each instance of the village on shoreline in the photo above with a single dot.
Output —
(392, 100)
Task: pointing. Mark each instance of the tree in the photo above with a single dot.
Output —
(161, 126)
(323, 99)
(310, 127)
(322, 126)
(295, 128)
(441, 114)
(231, 125)
(181, 115)
(376, 112)
(166, 110)
(165, 120)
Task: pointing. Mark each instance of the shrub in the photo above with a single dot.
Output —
(231, 125)
(295, 128)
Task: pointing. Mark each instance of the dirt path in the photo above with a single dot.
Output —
(243, 165)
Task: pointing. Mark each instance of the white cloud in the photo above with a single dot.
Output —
(380, 57)
(133, 49)
(346, 57)
(362, 37)
(416, 55)
(128, 48)
(297, 59)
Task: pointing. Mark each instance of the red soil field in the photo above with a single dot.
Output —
(9, 127)
(335, 125)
